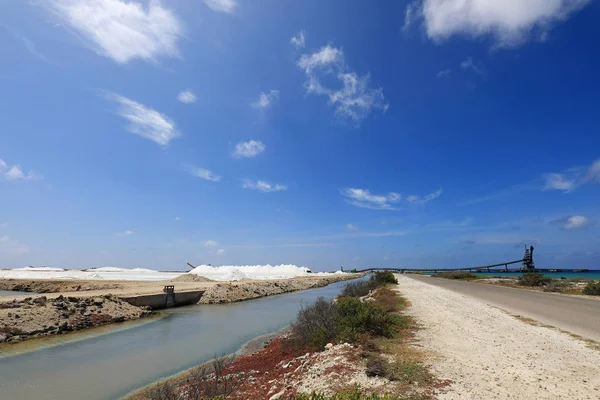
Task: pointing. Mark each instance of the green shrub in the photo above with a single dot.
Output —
(466, 276)
(592, 289)
(316, 324)
(356, 318)
(352, 394)
(533, 279)
(384, 277)
(353, 271)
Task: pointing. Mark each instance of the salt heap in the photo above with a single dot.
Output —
(256, 272)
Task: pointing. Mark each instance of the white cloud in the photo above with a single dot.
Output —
(187, 97)
(122, 30)
(593, 173)
(508, 22)
(443, 73)
(410, 15)
(572, 178)
(426, 199)
(351, 228)
(177, 218)
(29, 45)
(298, 40)
(220, 252)
(469, 64)
(203, 173)
(265, 99)
(353, 98)
(210, 243)
(226, 6)
(145, 121)
(248, 149)
(263, 186)
(15, 173)
(559, 182)
(364, 199)
(575, 222)
(125, 233)
(9, 246)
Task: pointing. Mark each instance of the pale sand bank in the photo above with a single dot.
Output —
(488, 354)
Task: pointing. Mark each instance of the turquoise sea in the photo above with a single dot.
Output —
(591, 275)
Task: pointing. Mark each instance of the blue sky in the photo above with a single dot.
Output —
(318, 133)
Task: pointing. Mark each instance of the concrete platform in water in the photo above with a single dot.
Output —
(169, 298)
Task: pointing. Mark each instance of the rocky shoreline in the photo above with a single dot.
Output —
(35, 317)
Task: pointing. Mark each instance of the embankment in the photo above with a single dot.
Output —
(39, 316)
(68, 306)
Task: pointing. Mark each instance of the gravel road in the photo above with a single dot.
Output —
(488, 354)
(575, 314)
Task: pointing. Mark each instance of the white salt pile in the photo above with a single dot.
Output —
(256, 272)
(102, 273)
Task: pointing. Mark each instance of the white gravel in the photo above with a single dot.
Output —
(488, 354)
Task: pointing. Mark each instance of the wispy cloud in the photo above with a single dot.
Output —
(122, 30)
(15, 173)
(511, 24)
(29, 45)
(351, 228)
(426, 199)
(9, 246)
(265, 99)
(353, 98)
(468, 64)
(263, 186)
(203, 173)
(125, 233)
(572, 178)
(249, 149)
(443, 73)
(410, 15)
(144, 121)
(363, 198)
(220, 252)
(225, 6)
(210, 243)
(298, 40)
(187, 97)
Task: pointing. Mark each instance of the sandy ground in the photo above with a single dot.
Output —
(216, 292)
(488, 354)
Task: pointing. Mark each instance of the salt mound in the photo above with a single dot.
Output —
(190, 278)
(38, 269)
(257, 272)
(117, 269)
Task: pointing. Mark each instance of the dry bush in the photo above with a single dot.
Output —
(212, 381)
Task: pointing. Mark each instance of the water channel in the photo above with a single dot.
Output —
(113, 364)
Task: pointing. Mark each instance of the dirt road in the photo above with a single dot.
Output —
(575, 314)
(488, 354)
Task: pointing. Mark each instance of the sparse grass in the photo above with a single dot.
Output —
(592, 289)
(351, 394)
(463, 276)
